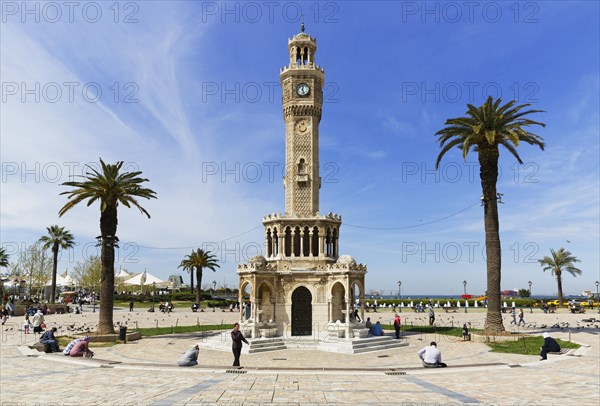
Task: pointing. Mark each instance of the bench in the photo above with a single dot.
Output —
(40, 347)
(360, 332)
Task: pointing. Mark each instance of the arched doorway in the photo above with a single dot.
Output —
(301, 312)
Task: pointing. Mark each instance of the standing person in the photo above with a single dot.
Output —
(397, 326)
(4, 313)
(431, 356)
(521, 317)
(356, 316)
(431, 315)
(550, 345)
(513, 313)
(131, 305)
(26, 324)
(38, 320)
(237, 337)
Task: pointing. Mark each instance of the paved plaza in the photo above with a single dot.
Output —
(144, 373)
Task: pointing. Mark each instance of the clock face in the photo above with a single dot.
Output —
(302, 89)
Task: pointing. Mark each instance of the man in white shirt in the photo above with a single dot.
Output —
(431, 356)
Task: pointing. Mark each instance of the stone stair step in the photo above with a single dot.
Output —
(265, 349)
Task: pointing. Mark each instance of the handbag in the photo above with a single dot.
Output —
(43, 326)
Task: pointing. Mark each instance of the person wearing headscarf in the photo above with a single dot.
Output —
(190, 357)
(550, 345)
(81, 348)
(70, 346)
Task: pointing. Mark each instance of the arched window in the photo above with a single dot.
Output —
(288, 242)
(269, 244)
(315, 242)
(302, 167)
(306, 242)
(297, 241)
(275, 242)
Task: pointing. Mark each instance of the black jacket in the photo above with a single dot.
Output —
(237, 337)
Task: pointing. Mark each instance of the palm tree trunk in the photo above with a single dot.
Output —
(488, 162)
(54, 269)
(108, 230)
(199, 281)
(560, 292)
(192, 281)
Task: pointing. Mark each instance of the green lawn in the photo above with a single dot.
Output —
(148, 332)
(450, 331)
(527, 345)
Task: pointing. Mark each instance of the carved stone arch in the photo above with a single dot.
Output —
(296, 285)
(338, 301)
(265, 298)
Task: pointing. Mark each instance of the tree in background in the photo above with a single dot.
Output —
(110, 187)
(34, 265)
(483, 130)
(560, 261)
(524, 293)
(3, 258)
(56, 239)
(88, 274)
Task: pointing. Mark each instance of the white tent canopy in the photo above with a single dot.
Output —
(146, 279)
(123, 274)
(62, 280)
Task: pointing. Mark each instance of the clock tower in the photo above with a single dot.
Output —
(302, 86)
(301, 286)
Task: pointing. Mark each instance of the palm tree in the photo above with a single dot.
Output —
(3, 258)
(56, 239)
(561, 261)
(186, 266)
(110, 187)
(483, 130)
(198, 260)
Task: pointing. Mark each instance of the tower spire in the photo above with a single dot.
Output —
(302, 26)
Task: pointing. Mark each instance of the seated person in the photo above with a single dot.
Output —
(550, 345)
(431, 356)
(81, 348)
(48, 339)
(190, 357)
(195, 307)
(377, 329)
(70, 346)
(368, 324)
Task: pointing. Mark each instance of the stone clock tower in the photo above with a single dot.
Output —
(302, 286)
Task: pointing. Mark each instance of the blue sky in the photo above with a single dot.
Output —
(198, 110)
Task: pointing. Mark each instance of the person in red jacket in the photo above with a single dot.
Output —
(397, 326)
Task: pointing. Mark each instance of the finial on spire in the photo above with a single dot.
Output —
(302, 26)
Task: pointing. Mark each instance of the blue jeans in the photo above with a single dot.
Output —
(52, 343)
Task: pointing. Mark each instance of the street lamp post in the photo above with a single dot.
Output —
(598, 296)
(530, 298)
(214, 283)
(465, 289)
(399, 295)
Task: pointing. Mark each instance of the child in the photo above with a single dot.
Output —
(26, 324)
